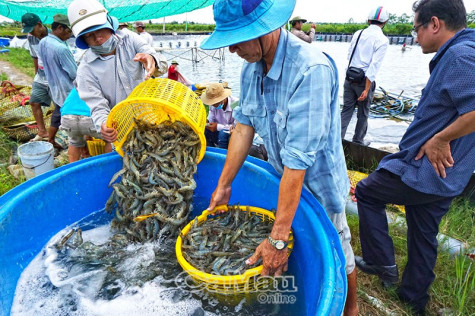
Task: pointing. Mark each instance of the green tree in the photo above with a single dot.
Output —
(392, 19)
(471, 17)
(404, 18)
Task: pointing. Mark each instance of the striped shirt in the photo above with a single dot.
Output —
(295, 109)
(447, 95)
(59, 66)
(33, 46)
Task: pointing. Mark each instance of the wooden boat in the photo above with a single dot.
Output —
(368, 157)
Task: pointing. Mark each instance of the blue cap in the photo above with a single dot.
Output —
(239, 21)
(112, 24)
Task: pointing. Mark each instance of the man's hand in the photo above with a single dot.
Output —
(108, 134)
(363, 96)
(313, 26)
(220, 196)
(148, 63)
(274, 261)
(213, 127)
(438, 153)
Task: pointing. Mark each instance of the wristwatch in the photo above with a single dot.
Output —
(278, 244)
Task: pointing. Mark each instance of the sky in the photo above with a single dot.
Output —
(338, 11)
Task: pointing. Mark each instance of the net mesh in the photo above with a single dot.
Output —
(124, 10)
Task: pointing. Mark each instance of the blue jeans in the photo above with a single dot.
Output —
(217, 139)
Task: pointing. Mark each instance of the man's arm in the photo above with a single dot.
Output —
(275, 261)
(373, 68)
(158, 67)
(303, 36)
(437, 149)
(89, 91)
(364, 94)
(376, 61)
(66, 59)
(35, 63)
(239, 145)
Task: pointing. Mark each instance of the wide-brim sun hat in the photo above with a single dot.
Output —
(215, 93)
(240, 21)
(298, 19)
(87, 16)
(83, 14)
(112, 24)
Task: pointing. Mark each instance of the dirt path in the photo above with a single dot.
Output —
(14, 75)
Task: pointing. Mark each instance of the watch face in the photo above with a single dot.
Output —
(280, 245)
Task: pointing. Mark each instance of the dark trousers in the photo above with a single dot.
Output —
(351, 93)
(258, 152)
(217, 139)
(423, 215)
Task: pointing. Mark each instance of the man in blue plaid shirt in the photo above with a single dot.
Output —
(289, 96)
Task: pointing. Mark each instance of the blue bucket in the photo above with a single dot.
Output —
(36, 210)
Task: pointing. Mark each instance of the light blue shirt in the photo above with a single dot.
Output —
(73, 105)
(295, 109)
(59, 66)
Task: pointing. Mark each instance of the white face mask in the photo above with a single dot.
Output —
(106, 47)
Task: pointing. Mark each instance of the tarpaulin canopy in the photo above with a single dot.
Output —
(124, 10)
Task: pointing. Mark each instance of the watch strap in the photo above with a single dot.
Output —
(274, 242)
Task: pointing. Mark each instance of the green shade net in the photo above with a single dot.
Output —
(124, 10)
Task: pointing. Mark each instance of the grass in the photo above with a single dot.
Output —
(20, 58)
(446, 292)
(459, 222)
(7, 146)
(7, 181)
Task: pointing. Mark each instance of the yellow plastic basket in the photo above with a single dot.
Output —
(229, 284)
(96, 146)
(155, 101)
(356, 176)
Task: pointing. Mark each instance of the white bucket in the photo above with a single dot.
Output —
(36, 158)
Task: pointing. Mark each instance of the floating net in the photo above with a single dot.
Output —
(124, 10)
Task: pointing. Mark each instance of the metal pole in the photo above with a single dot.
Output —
(163, 30)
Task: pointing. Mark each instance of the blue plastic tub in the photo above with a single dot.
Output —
(4, 41)
(33, 212)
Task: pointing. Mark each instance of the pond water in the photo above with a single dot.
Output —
(405, 72)
(128, 280)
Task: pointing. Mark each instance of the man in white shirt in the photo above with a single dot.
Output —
(140, 28)
(368, 56)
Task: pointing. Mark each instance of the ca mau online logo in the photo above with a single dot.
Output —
(234, 284)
